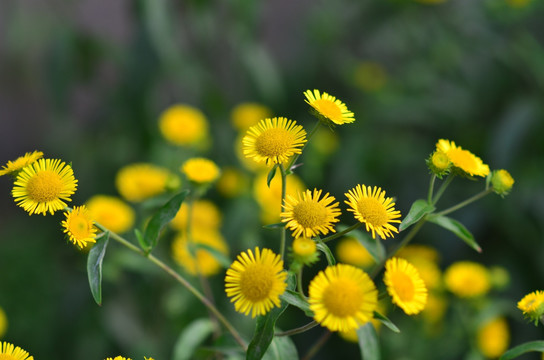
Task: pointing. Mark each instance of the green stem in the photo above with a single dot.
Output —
(310, 135)
(471, 199)
(431, 189)
(299, 283)
(442, 188)
(342, 233)
(283, 234)
(298, 330)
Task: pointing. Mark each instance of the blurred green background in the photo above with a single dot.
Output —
(86, 80)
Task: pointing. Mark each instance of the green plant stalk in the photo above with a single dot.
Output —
(298, 330)
(342, 233)
(283, 234)
(464, 203)
(299, 282)
(442, 188)
(310, 135)
(431, 189)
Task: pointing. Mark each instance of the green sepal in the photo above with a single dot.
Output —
(321, 246)
(419, 209)
(281, 348)
(274, 226)
(368, 342)
(94, 266)
(457, 228)
(516, 351)
(191, 337)
(295, 299)
(386, 322)
(271, 174)
(162, 217)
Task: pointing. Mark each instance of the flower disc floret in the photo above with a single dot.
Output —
(20, 162)
(405, 285)
(309, 216)
(44, 186)
(372, 208)
(79, 226)
(342, 297)
(9, 351)
(255, 281)
(462, 159)
(328, 107)
(200, 170)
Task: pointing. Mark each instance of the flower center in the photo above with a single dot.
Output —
(343, 298)
(310, 214)
(256, 282)
(329, 109)
(403, 285)
(372, 211)
(79, 227)
(44, 186)
(273, 142)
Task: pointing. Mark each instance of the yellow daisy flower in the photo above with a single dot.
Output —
(79, 226)
(118, 358)
(350, 251)
(200, 170)
(183, 125)
(329, 107)
(463, 159)
(254, 282)
(20, 162)
(111, 212)
(493, 338)
(141, 181)
(245, 115)
(467, 279)
(405, 285)
(308, 216)
(204, 215)
(10, 352)
(43, 186)
(274, 140)
(532, 305)
(372, 208)
(3, 323)
(342, 297)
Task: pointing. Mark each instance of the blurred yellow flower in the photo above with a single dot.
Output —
(425, 260)
(200, 170)
(183, 125)
(44, 186)
(111, 212)
(405, 285)
(20, 162)
(9, 351)
(467, 279)
(204, 215)
(518, 4)
(370, 76)
(141, 181)
(3, 323)
(328, 107)
(462, 159)
(493, 338)
(232, 182)
(79, 226)
(414, 252)
(350, 251)
(502, 182)
(245, 115)
(118, 358)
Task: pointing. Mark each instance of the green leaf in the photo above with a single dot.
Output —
(374, 246)
(162, 217)
(384, 320)
(94, 266)
(191, 338)
(140, 238)
(223, 259)
(295, 299)
(522, 349)
(271, 174)
(321, 246)
(419, 209)
(457, 228)
(281, 348)
(368, 342)
(275, 226)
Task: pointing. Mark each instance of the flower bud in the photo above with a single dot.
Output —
(501, 182)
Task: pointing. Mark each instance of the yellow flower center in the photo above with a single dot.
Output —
(256, 282)
(273, 142)
(6, 357)
(310, 214)
(329, 109)
(372, 211)
(44, 186)
(79, 227)
(343, 298)
(403, 285)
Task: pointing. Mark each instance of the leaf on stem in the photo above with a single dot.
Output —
(419, 209)
(384, 320)
(457, 228)
(281, 348)
(271, 174)
(193, 335)
(295, 299)
(94, 266)
(368, 342)
(522, 349)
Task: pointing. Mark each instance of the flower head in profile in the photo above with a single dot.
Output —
(183, 125)
(309, 216)
(255, 281)
(140, 181)
(118, 358)
(245, 115)
(405, 285)
(329, 108)
(501, 182)
(11, 352)
(532, 305)
(3, 323)
(44, 186)
(493, 337)
(342, 297)
(274, 141)
(200, 170)
(467, 279)
(372, 208)
(20, 162)
(463, 160)
(79, 226)
(111, 212)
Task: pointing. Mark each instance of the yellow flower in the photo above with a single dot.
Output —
(502, 182)
(342, 297)
(204, 215)
(308, 216)
(111, 212)
(274, 140)
(3, 323)
(232, 182)
(532, 305)
(304, 252)
(370, 76)
(493, 338)
(414, 252)
(462, 159)
(20, 162)
(183, 125)
(405, 285)
(372, 208)
(79, 226)
(43, 186)
(118, 358)
(246, 115)
(141, 181)
(198, 260)
(467, 279)
(200, 170)
(328, 107)
(254, 282)
(350, 251)
(10, 352)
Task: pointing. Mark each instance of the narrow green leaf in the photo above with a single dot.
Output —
(368, 342)
(162, 217)
(419, 209)
(321, 246)
(374, 246)
(94, 266)
(191, 337)
(457, 228)
(522, 349)
(140, 238)
(271, 174)
(384, 320)
(274, 226)
(295, 299)
(281, 348)
(223, 259)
